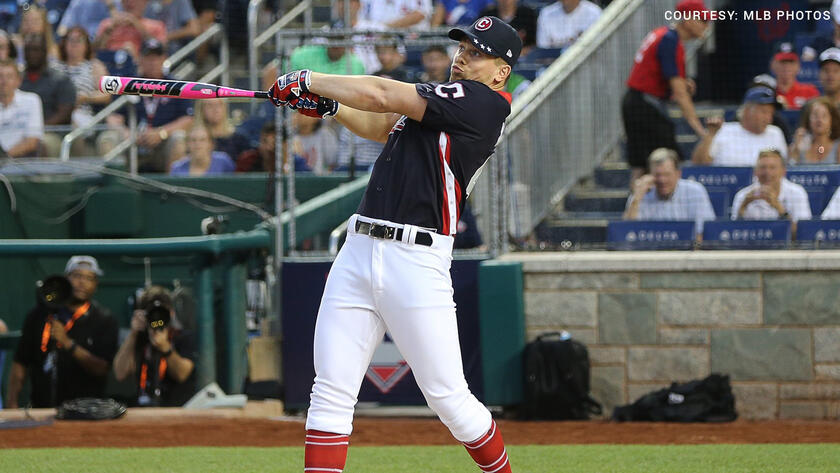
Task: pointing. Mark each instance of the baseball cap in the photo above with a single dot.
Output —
(764, 80)
(785, 52)
(830, 54)
(691, 6)
(492, 36)
(83, 262)
(762, 95)
(152, 46)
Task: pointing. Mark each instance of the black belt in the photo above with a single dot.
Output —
(388, 232)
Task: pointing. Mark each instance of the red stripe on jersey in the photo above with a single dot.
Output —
(506, 96)
(458, 192)
(443, 154)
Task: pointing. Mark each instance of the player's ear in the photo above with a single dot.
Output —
(503, 73)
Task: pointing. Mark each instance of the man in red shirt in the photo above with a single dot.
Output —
(658, 76)
(785, 66)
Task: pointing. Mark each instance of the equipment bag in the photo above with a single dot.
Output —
(705, 400)
(557, 379)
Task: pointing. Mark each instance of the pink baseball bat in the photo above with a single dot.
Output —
(116, 85)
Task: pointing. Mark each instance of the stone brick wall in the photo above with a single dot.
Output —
(770, 320)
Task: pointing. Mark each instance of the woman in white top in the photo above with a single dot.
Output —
(75, 59)
(818, 136)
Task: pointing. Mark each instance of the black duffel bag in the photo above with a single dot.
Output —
(705, 400)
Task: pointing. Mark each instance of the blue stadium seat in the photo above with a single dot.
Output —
(650, 235)
(118, 63)
(819, 233)
(730, 178)
(746, 234)
(721, 200)
(791, 117)
(819, 181)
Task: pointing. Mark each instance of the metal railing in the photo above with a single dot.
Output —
(255, 40)
(569, 119)
(222, 70)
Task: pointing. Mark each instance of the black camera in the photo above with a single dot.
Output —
(53, 292)
(158, 314)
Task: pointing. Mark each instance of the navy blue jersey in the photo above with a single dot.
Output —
(427, 168)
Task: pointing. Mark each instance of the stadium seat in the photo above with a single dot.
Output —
(819, 181)
(650, 235)
(818, 233)
(746, 234)
(791, 117)
(720, 177)
(721, 200)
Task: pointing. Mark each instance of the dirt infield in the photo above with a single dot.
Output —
(174, 428)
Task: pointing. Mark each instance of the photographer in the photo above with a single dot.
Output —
(157, 353)
(67, 348)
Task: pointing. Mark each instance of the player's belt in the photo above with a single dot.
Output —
(387, 232)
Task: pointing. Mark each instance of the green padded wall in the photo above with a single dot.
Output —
(501, 305)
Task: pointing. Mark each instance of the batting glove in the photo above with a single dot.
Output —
(289, 86)
(313, 105)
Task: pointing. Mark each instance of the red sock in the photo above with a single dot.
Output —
(489, 452)
(325, 452)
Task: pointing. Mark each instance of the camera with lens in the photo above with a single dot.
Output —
(53, 292)
(158, 314)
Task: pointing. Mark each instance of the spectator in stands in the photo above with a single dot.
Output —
(261, 158)
(66, 354)
(21, 114)
(3, 327)
(397, 14)
(158, 118)
(663, 195)
(264, 112)
(88, 14)
(315, 142)
(830, 74)
(329, 60)
(363, 49)
(206, 10)
(772, 196)
(34, 21)
(458, 12)
(157, 353)
(738, 143)
(129, 29)
(202, 160)
(76, 61)
(180, 20)
(7, 47)
(436, 64)
(832, 210)
(521, 17)
(57, 99)
(361, 155)
(768, 81)
(785, 66)
(561, 23)
(659, 74)
(392, 56)
(214, 115)
(818, 136)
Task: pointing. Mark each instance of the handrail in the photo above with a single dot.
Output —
(335, 235)
(194, 44)
(68, 139)
(255, 40)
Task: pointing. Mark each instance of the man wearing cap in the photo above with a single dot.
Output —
(128, 29)
(160, 119)
(738, 143)
(658, 75)
(830, 74)
(66, 354)
(392, 274)
(785, 66)
(157, 352)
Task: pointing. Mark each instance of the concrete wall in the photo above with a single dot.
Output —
(770, 320)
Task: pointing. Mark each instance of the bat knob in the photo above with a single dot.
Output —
(110, 85)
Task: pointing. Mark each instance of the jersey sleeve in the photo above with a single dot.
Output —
(666, 52)
(465, 108)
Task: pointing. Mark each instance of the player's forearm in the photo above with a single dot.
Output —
(367, 93)
(16, 379)
(368, 125)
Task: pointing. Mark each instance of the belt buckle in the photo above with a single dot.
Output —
(382, 231)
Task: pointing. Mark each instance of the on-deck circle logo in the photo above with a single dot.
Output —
(484, 24)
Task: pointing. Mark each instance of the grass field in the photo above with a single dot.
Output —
(822, 458)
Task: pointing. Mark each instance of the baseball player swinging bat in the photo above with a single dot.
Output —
(116, 85)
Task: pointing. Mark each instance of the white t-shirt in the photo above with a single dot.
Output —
(832, 210)
(558, 29)
(23, 118)
(733, 145)
(792, 196)
(690, 201)
(385, 11)
(319, 149)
